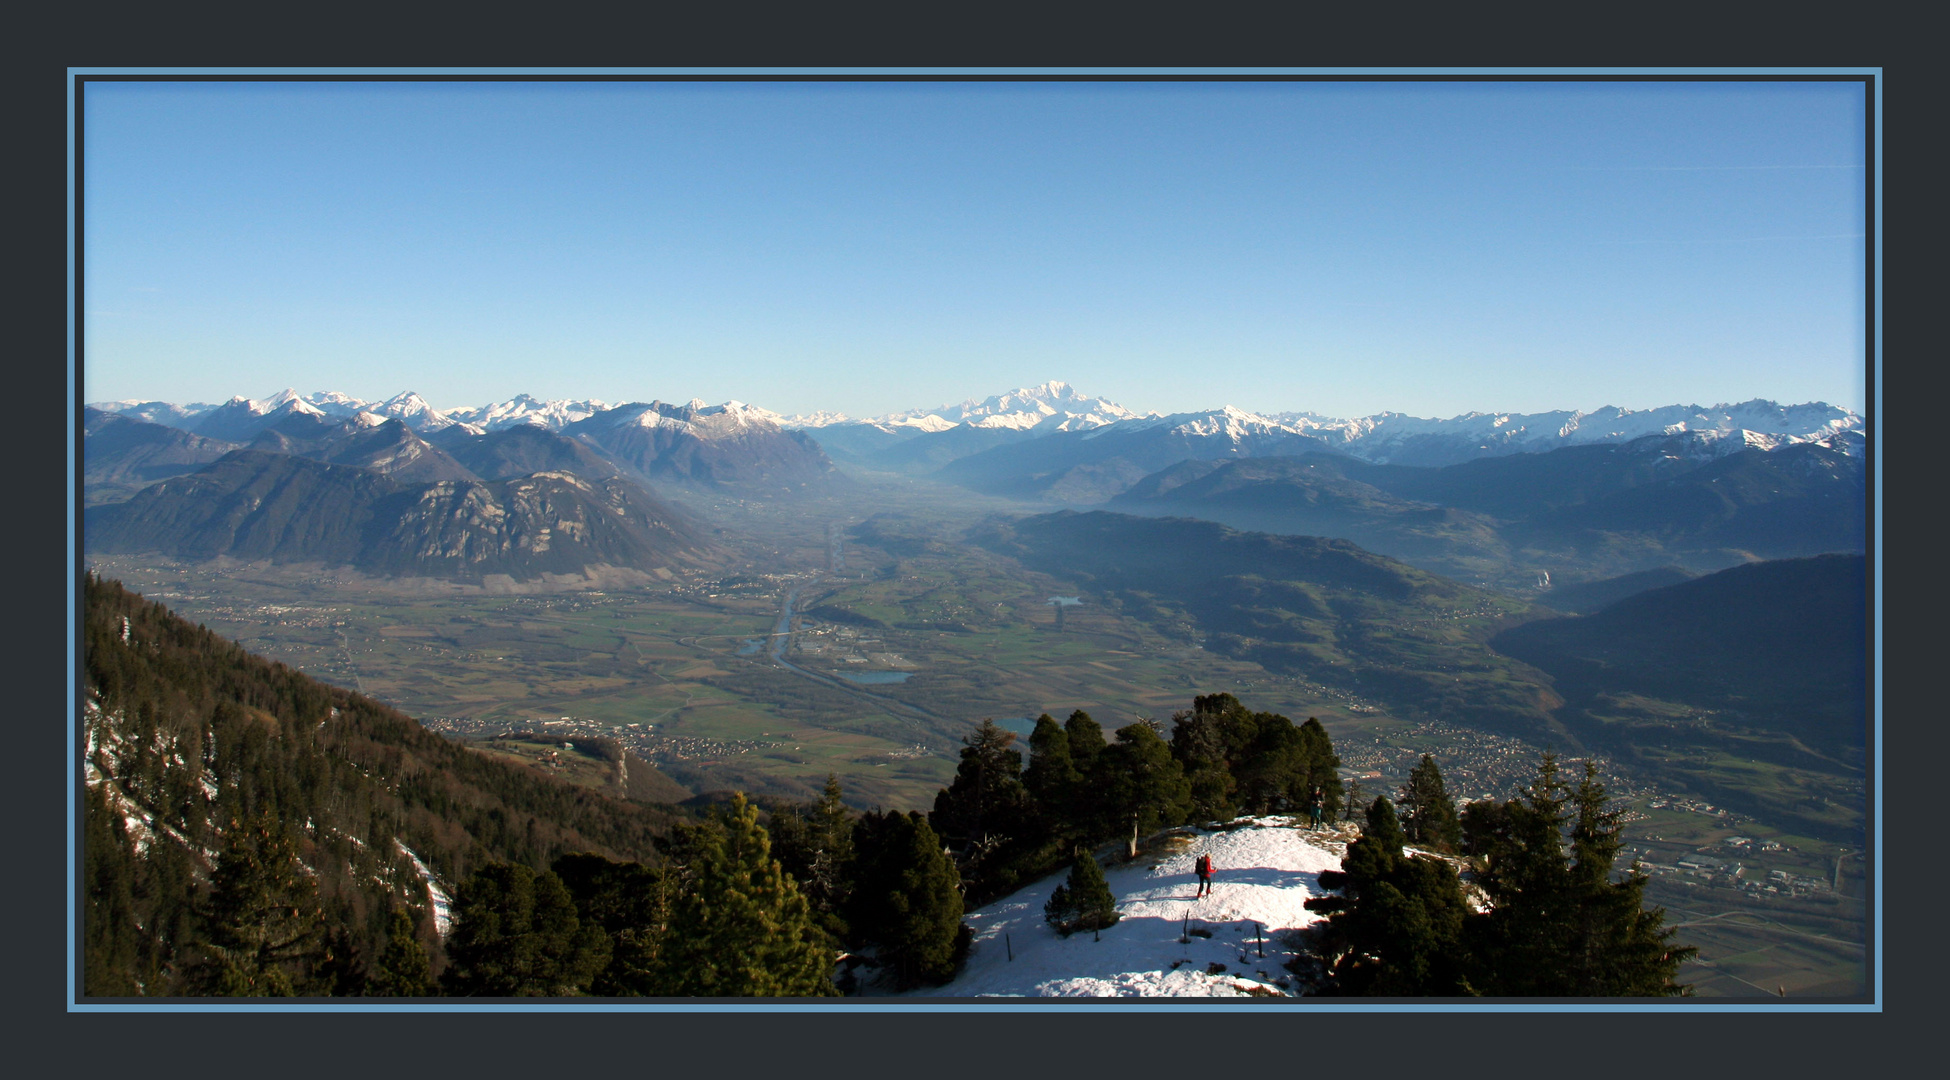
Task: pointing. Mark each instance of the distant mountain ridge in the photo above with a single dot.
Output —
(1397, 438)
(1386, 437)
(732, 444)
(1602, 508)
(1762, 663)
(1049, 442)
(254, 505)
(127, 453)
(1091, 465)
(1052, 406)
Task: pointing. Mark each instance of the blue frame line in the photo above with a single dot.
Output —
(74, 391)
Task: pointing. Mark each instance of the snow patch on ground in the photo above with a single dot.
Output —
(443, 908)
(1265, 871)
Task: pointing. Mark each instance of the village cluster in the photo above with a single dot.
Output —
(641, 739)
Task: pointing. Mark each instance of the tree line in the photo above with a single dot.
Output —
(734, 907)
(1009, 824)
(1554, 921)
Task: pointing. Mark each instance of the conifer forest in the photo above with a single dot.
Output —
(252, 832)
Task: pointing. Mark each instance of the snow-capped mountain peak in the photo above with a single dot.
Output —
(817, 419)
(1398, 437)
(1226, 422)
(1050, 407)
(414, 411)
(528, 409)
(692, 415)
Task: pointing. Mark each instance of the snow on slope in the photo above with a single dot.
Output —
(443, 906)
(1759, 422)
(1265, 872)
(527, 409)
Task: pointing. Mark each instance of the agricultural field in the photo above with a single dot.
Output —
(890, 654)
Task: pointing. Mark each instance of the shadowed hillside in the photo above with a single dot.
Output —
(1322, 609)
(253, 505)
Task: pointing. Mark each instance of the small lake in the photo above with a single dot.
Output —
(1021, 725)
(1064, 601)
(750, 647)
(871, 677)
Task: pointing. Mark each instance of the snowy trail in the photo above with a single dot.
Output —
(1264, 875)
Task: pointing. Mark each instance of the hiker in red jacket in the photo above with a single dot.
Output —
(1203, 867)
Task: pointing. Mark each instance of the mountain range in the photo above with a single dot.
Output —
(1486, 497)
(1592, 509)
(253, 505)
(1057, 407)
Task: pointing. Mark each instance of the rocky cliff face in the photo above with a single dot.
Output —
(283, 509)
(729, 445)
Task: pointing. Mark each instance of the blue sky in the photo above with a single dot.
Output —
(1345, 248)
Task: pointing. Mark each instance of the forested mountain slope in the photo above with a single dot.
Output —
(1781, 643)
(224, 793)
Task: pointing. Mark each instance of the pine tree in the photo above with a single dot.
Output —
(1323, 766)
(1394, 929)
(110, 956)
(986, 811)
(742, 929)
(1051, 778)
(985, 803)
(1623, 949)
(1143, 786)
(402, 970)
(1087, 747)
(1086, 742)
(1200, 748)
(630, 902)
(1520, 946)
(1270, 766)
(907, 898)
(261, 919)
(516, 934)
(1558, 925)
(1428, 814)
(1087, 902)
(341, 970)
(830, 830)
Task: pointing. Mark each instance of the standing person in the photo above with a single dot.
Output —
(1318, 806)
(1202, 866)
